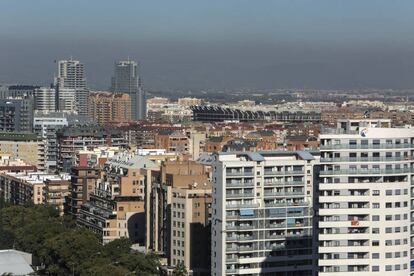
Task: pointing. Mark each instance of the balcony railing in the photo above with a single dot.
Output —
(367, 159)
(369, 146)
(367, 171)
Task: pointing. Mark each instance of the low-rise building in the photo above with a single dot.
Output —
(34, 187)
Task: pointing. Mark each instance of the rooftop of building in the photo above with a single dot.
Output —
(15, 262)
(38, 177)
(14, 136)
(129, 160)
(267, 155)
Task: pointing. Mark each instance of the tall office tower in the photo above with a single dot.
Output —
(127, 80)
(365, 189)
(45, 99)
(71, 75)
(16, 114)
(263, 213)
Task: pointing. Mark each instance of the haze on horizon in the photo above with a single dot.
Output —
(187, 44)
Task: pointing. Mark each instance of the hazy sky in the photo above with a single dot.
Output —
(214, 43)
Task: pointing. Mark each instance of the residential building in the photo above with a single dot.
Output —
(190, 228)
(106, 107)
(25, 146)
(66, 101)
(29, 187)
(71, 83)
(172, 174)
(262, 222)
(82, 183)
(16, 114)
(20, 91)
(173, 141)
(187, 102)
(73, 138)
(46, 127)
(45, 100)
(127, 80)
(116, 206)
(10, 164)
(365, 199)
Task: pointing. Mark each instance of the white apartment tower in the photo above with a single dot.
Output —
(45, 101)
(365, 199)
(71, 76)
(262, 219)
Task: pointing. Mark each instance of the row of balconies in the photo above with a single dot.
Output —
(367, 159)
(367, 146)
(366, 171)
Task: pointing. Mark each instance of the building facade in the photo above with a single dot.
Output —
(25, 146)
(71, 81)
(46, 126)
(16, 114)
(105, 107)
(127, 80)
(263, 213)
(45, 100)
(365, 199)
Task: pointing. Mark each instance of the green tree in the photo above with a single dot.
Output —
(180, 270)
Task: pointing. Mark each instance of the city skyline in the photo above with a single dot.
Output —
(189, 45)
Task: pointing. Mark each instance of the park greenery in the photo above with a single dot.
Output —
(59, 247)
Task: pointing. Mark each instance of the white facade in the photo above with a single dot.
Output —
(46, 127)
(67, 100)
(71, 75)
(364, 200)
(262, 214)
(45, 100)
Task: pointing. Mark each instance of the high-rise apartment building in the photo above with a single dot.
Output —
(116, 206)
(262, 222)
(71, 75)
(46, 126)
(105, 107)
(365, 199)
(16, 114)
(127, 80)
(190, 228)
(45, 99)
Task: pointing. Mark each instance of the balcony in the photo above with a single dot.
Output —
(367, 159)
(370, 146)
(367, 171)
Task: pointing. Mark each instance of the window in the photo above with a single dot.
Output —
(375, 205)
(388, 242)
(388, 192)
(375, 192)
(375, 268)
(375, 230)
(375, 218)
(375, 255)
(388, 205)
(388, 230)
(388, 255)
(388, 268)
(375, 243)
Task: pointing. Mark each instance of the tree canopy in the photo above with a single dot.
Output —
(62, 248)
